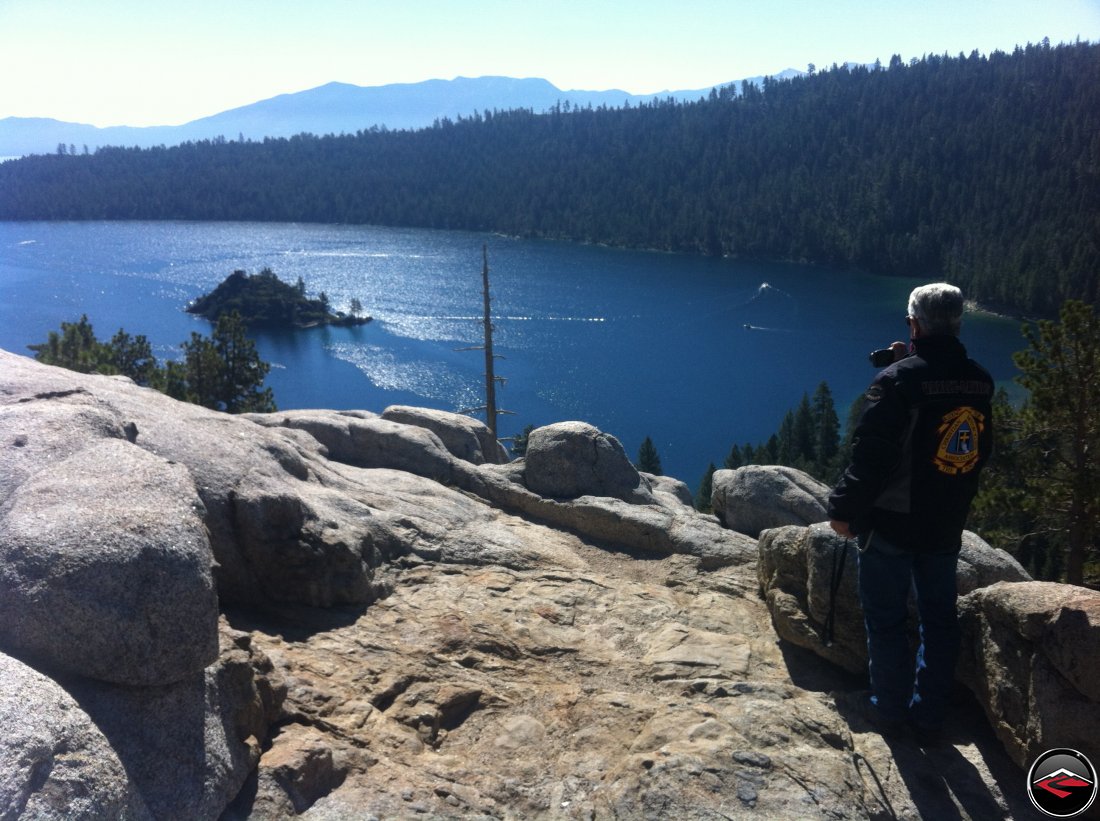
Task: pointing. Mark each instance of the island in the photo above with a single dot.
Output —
(265, 300)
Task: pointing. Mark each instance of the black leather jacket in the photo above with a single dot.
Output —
(924, 435)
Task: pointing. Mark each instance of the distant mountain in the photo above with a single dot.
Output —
(979, 170)
(335, 108)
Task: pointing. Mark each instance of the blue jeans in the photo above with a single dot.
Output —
(885, 575)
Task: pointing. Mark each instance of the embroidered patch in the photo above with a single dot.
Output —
(874, 393)
(959, 432)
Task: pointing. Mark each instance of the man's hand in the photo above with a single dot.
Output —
(842, 529)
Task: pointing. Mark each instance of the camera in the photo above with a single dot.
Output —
(882, 357)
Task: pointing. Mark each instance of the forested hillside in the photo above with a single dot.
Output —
(981, 169)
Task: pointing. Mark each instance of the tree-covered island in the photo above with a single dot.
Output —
(265, 300)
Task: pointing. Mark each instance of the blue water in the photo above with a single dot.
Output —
(638, 344)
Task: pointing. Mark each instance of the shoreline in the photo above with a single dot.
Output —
(973, 306)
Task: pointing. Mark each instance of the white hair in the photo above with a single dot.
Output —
(938, 307)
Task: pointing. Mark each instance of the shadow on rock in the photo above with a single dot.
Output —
(966, 774)
(810, 672)
(293, 623)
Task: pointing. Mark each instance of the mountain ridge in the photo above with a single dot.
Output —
(332, 108)
(976, 169)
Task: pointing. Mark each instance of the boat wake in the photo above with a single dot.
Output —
(502, 318)
(766, 290)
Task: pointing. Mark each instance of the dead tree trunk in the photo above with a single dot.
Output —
(491, 379)
(490, 376)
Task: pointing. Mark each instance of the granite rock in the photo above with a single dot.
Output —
(797, 568)
(464, 437)
(1032, 656)
(406, 633)
(571, 459)
(54, 762)
(755, 498)
(106, 567)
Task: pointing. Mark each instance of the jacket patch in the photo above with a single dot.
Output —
(874, 393)
(959, 433)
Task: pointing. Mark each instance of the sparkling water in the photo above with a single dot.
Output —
(696, 353)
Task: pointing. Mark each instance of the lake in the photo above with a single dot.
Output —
(697, 353)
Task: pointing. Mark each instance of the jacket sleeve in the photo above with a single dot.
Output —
(877, 448)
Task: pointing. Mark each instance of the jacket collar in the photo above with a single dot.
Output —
(939, 345)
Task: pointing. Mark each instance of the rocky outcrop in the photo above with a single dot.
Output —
(572, 459)
(465, 438)
(189, 747)
(667, 489)
(331, 429)
(755, 498)
(648, 514)
(1032, 654)
(799, 568)
(405, 632)
(664, 526)
(86, 749)
(368, 441)
(299, 769)
(54, 762)
(581, 687)
(108, 574)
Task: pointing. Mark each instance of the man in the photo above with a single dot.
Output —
(925, 433)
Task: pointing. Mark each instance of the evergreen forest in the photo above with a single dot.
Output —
(221, 372)
(983, 170)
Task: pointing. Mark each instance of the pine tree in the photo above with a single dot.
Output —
(648, 460)
(243, 371)
(1061, 370)
(519, 442)
(75, 348)
(826, 434)
(1007, 510)
(132, 356)
(807, 439)
(173, 381)
(782, 453)
(769, 453)
(706, 488)
(202, 372)
(803, 447)
(224, 372)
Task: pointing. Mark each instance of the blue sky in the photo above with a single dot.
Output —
(160, 62)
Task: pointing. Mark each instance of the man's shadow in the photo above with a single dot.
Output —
(940, 780)
(944, 784)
